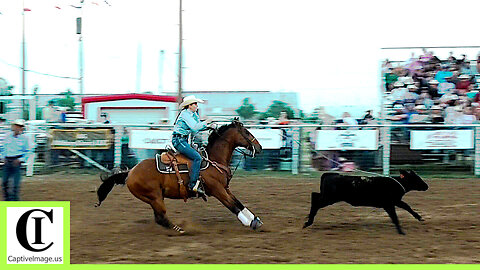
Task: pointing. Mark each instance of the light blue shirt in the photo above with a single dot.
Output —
(15, 146)
(188, 122)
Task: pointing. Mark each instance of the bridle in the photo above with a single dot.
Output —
(251, 141)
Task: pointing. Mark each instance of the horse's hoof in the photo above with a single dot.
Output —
(256, 223)
(178, 229)
(97, 204)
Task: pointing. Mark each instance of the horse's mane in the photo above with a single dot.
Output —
(219, 132)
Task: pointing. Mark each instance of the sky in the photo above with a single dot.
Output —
(328, 52)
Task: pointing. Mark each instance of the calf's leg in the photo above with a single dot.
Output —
(318, 201)
(407, 207)
(393, 215)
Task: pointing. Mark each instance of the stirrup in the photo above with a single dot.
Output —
(197, 188)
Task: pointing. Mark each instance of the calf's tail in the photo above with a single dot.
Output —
(119, 178)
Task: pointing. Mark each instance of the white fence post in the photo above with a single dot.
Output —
(386, 149)
(477, 151)
(295, 150)
(117, 143)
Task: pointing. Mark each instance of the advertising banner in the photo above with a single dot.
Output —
(81, 138)
(347, 140)
(441, 139)
(268, 138)
(150, 139)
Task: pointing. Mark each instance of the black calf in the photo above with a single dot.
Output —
(380, 192)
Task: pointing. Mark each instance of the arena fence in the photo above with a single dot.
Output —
(376, 149)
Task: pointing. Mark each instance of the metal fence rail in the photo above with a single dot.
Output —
(297, 148)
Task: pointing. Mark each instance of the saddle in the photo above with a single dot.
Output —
(170, 162)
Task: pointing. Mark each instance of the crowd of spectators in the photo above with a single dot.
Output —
(426, 89)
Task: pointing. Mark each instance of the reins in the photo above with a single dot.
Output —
(230, 174)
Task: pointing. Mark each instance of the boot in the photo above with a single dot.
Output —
(198, 188)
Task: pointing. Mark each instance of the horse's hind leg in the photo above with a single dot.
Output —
(160, 211)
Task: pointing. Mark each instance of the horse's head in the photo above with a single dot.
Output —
(245, 139)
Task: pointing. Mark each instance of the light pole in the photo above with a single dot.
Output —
(80, 49)
(23, 56)
(180, 50)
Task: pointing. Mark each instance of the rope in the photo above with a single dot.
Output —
(355, 169)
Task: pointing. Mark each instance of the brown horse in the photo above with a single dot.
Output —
(150, 186)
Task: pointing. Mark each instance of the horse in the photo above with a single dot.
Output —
(151, 186)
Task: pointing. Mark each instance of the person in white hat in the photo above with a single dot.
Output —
(14, 151)
(187, 123)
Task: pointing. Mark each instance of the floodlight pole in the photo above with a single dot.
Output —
(23, 56)
(180, 50)
(80, 50)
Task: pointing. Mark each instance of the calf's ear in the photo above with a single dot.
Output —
(403, 174)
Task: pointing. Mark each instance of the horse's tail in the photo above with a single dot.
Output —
(117, 177)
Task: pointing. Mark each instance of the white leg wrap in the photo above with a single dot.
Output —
(245, 220)
(247, 213)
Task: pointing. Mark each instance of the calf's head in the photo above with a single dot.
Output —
(414, 181)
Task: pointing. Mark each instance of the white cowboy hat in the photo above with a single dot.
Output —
(19, 122)
(189, 100)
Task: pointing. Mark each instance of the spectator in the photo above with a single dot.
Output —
(436, 115)
(433, 88)
(421, 115)
(467, 69)
(443, 73)
(348, 120)
(104, 117)
(476, 111)
(398, 114)
(463, 86)
(411, 96)
(478, 63)
(467, 117)
(449, 97)
(367, 118)
(398, 92)
(451, 59)
(50, 113)
(453, 115)
(63, 115)
(283, 119)
(14, 151)
(446, 86)
(425, 99)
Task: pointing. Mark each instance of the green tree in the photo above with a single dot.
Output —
(276, 108)
(247, 110)
(67, 101)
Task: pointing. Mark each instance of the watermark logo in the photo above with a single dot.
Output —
(37, 234)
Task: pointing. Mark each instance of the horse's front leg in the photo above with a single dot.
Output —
(244, 215)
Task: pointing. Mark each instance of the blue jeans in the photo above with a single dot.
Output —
(183, 147)
(10, 193)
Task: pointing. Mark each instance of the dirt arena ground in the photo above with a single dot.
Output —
(123, 230)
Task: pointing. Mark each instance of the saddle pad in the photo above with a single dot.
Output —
(182, 168)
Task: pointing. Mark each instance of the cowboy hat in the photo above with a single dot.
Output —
(19, 122)
(189, 100)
